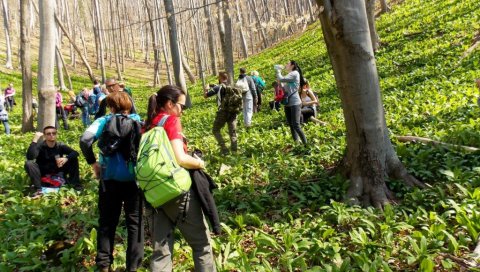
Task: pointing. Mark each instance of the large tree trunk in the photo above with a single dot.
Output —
(174, 49)
(211, 40)
(370, 155)
(27, 113)
(370, 7)
(6, 25)
(46, 65)
(164, 47)
(228, 43)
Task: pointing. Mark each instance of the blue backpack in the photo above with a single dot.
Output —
(91, 104)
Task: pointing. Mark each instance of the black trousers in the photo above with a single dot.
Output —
(293, 113)
(69, 169)
(112, 195)
(61, 112)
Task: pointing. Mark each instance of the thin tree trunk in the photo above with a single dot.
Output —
(186, 68)
(243, 41)
(174, 48)
(384, 6)
(25, 61)
(211, 41)
(196, 30)
(84, 60)
(46, 65)
(221, 30)
(100, 36)
(370, 155)
(121, 31)
(115, 43)
(156, 50)
(260, 29)
(6, 25)
(59, 54)
(370, 8)
(59, 63)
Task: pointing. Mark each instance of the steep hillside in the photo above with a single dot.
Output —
(280, 207)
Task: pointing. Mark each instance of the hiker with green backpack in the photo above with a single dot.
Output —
(184, 210)
(229, 100)
(118, 136)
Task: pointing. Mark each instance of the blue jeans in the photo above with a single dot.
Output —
(85, 117)
(7, 126)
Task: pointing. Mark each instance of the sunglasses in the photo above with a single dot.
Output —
(51, 133)
(110, 86)
(183, 107)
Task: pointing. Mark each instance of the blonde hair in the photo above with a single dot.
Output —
(255, 73)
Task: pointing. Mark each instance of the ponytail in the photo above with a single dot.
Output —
(158, 100)
(151, 110)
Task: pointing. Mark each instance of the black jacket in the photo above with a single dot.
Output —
(203, 184)
(44, 156)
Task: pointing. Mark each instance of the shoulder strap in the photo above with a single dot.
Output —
(162, 121)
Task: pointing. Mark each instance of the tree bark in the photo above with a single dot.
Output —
(174, 49)
(370, 155)
(384, 6)
(228, 43)
(164, 47)
(211, 40)
(59, 63)
(156, 50)
(259, 24)
(115, 41)
(46, 65)
(84, 60)
(62, 60)
(242, 32)
(6, 25)
(100, 37)
(25, 61)
(370, 7)
(186, 68)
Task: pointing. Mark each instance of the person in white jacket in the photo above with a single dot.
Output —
(4, 115)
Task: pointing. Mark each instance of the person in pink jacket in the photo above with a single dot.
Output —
(8, 94)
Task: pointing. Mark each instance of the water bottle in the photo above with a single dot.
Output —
(278, 67)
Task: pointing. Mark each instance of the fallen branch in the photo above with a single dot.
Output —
(470, 50)
(404, 139)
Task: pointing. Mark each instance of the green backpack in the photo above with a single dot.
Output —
(157, 172)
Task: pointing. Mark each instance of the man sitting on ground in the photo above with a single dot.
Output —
(53, 158)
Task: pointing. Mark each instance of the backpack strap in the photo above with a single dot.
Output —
(162, 121)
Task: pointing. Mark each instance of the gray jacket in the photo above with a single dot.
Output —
(291, 87)
(251, 85)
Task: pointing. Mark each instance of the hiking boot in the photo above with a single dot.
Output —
(37, 194)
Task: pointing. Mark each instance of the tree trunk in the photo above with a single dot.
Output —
(259, 25)
(228, 44)
(186, 68)
(174, 49)
(100, 37)
(221, 29)
(27, 113)
(46, 65)
(370, 7)
(211, 40)
(84, 60)
(384, 6)
(164, 47)
(242, 32)
(59, 64)
(370, 155)
(62, 60)
(156, 50)
(115, 41)
(6, 25)
(121, 31)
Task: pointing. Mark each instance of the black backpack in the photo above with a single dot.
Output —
(121, 134)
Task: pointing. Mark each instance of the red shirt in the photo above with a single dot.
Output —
(173, 127)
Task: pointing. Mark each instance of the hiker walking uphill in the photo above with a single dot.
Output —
(249, 93)
(4, 115)
(118, 136)
(112, 87)
(185, 211)
(292, 82)
(259, 86)
(229, 102)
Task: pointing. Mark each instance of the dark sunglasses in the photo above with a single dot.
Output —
(51, 133)
(183, 107)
